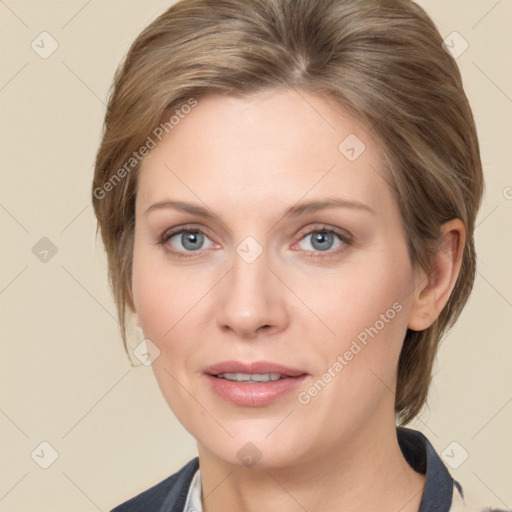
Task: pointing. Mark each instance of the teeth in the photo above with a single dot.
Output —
(254, 377)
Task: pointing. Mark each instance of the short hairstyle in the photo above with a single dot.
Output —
(381, 60)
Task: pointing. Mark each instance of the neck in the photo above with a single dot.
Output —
(367, 472)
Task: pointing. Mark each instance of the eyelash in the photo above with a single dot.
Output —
(345, 238)
(167, 235)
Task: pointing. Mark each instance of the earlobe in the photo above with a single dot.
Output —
(434, 290)
(131, 305)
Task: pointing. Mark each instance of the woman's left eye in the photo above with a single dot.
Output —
(321, 241)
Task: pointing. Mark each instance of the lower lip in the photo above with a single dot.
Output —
(254, 394)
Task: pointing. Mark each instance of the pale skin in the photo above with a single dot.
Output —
(246, 161)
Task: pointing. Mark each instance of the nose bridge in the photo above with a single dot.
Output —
(249, 296)
(248, 277)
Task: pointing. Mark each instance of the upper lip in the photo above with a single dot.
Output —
(251, 368)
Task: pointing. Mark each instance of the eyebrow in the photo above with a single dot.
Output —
(296, 210)
(182, 206)
(314, 206)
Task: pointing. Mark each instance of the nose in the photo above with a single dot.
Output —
(251, 300)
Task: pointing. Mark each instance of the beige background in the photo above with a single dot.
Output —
(64, 375)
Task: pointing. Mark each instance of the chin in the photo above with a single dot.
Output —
(259, 451)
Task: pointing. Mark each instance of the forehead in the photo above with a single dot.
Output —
(276, 146)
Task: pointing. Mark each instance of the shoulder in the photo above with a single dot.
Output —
(169, 494)
(459, 504)
(442, 493)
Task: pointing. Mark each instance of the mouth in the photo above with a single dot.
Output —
(257, 371)
(253, 378)
(253, 384)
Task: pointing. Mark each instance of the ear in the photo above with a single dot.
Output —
(131, 305)
(433, 291)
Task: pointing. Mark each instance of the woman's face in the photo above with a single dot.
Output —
(266, 231)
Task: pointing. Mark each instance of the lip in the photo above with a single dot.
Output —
(253, 394)
(252, 367)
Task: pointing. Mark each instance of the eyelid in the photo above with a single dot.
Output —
(344, 235)
(164, 238)
(169, 233)
(346, 238)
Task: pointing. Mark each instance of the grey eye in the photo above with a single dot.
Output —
(320, 241)
(188, 240)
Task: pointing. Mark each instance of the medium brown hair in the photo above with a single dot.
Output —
(380, 60)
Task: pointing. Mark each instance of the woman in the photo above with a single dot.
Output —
(287, 193)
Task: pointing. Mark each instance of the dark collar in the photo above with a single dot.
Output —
(421, 456)
(170, 495)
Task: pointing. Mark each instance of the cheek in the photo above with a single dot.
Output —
(174, 307)
(366, 306)
(355, 297)
(149, 293)
(165, 300)
(367, 310)
(163, 294)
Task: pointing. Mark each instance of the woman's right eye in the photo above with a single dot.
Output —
(186, 241)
